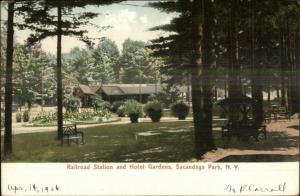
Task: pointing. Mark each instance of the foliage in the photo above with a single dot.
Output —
(33, 75)
(82, 116)
(78, 62)
(153, 109)
(105, 66)
(26, 116)
(51, 118)
(18, 117)
(98, 116)
(45, 118)
(137, 63)
(169, 95)
(99, 104)
(121, 111)
(72, 104)
(133, 109)
(180, 110)
(115, 106)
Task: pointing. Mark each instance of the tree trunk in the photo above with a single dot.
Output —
(283, 70)
(234, 75)
(235, 88)
(225, 88)
(59, 75)
(203, 61)
(29, 104)
(269, 93)
(294, 78)
(0, 69)
(209, 64)
(256, 78)
(297, 71)
(8, 83)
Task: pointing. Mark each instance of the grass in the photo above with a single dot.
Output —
(110, 143)
(170, 142)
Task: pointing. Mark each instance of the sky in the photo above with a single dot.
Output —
(128, 20)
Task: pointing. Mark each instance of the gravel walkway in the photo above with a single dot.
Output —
(282, 139)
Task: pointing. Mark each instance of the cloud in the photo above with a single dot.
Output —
(125, 22)
(122, 19)
(144, 19)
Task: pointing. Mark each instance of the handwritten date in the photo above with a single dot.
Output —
(33, 188)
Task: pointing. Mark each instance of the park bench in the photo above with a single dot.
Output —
(71, 134)
(244, 131)
(276, 112)
(281, 113)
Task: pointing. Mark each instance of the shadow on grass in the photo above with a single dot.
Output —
(124, 143)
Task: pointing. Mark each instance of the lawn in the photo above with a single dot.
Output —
(141, 142)
(109, 143)
(155, 142)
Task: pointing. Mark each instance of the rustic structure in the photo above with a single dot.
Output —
(116, 92)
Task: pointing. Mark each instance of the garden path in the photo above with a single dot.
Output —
(283, 140)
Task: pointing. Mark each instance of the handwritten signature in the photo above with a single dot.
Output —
(243, 188)
(33, 188)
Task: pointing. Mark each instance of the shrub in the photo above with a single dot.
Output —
(82, 116)
(100, 115)
(180, 110)
(105, 105)
(45, 118)
(133, 110)
(116, 105)
(99, 104)
(26, 116)
(121, 111)
(19, 117)
(153, 109)
(72, 104)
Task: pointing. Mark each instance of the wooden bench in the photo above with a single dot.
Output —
(71, 134)
(282, 113)
(244, 131)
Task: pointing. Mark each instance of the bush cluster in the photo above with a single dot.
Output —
(72, 104)
(153, 109)
(19, 117)
(48, 118)
(133, 109)
(180, 110)
(45, 118)
(25, 116)
(99, 104)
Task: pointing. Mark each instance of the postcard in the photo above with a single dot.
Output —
(150, 97)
